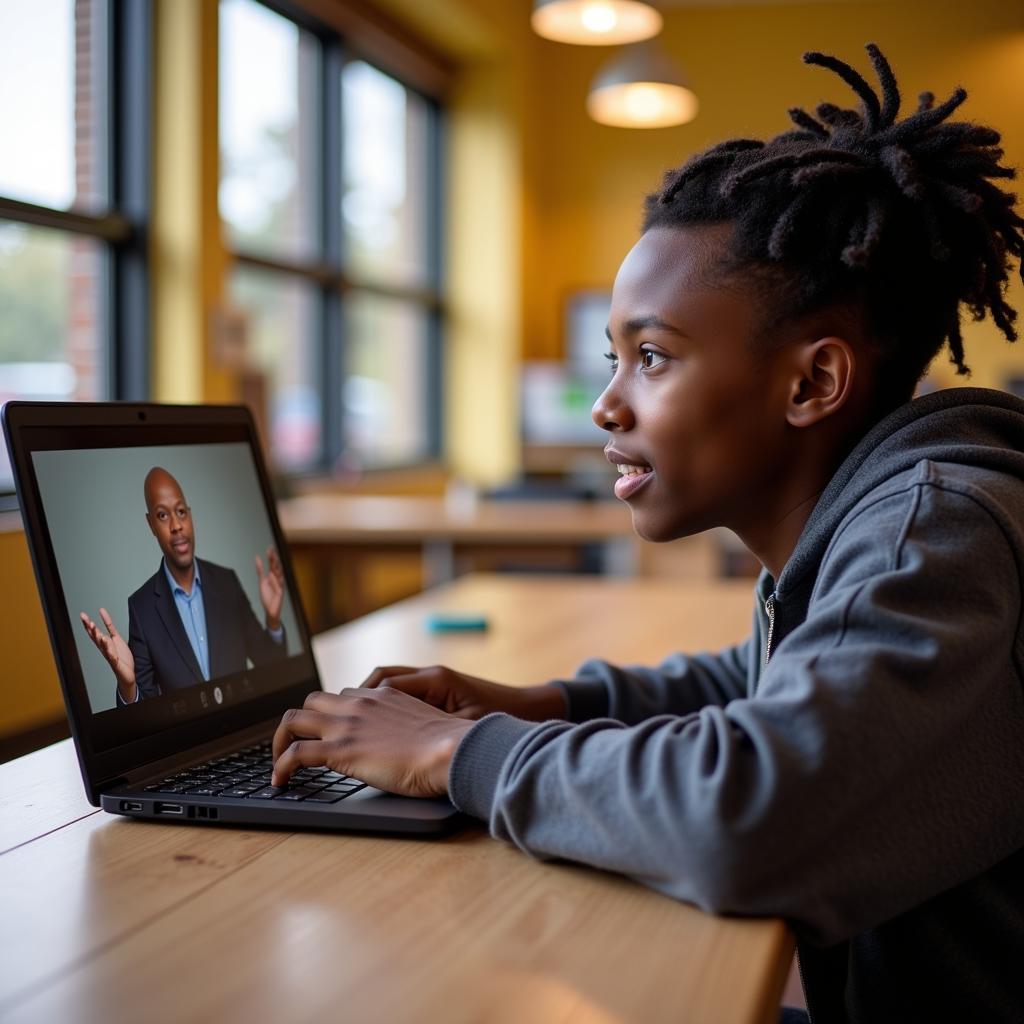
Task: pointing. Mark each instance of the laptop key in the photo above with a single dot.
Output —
(268, 792)
(325, 796)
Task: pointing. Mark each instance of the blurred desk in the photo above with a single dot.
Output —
(332, 535)
(110, 920)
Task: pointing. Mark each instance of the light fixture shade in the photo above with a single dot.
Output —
(595, 22)
(641, 89)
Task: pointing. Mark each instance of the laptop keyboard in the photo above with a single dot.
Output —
(246, 774)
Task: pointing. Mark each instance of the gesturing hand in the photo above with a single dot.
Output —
(271, 587)
(112, 646)
(384, 737)
(469, 696)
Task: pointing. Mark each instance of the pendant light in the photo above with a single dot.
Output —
(595, 22)
(641, 88)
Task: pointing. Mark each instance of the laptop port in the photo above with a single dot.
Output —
(131, 805)
(162, 808)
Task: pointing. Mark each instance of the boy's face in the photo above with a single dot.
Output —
(692, 401)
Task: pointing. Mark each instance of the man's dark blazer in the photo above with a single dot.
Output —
(164, 659)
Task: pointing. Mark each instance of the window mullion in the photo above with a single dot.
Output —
(332, 326)
(435, 261)
(130, 175)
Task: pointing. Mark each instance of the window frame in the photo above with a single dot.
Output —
(327, 275)
(122, 228)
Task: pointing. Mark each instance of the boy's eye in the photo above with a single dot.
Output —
(613, 361)
(650, 359)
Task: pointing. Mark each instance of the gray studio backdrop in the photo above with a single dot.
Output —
(97, 518)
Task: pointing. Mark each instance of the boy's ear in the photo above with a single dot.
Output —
(822, 380)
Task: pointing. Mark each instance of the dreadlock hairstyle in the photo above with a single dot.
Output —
(900, 217)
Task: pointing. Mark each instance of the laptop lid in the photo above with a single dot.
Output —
(81, 471)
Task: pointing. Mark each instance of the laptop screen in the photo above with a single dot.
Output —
(173, 590)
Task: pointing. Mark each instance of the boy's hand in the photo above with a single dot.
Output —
(383, 737)
(468, 696)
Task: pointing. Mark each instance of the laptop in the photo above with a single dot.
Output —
(157, 515)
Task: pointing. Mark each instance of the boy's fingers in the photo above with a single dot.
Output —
(298, 725)
(108, 622)
(415, 684)
(298, 754)
(259, 566)
(324, 702)
(384, 672)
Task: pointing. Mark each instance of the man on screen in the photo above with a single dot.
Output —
(190, 621)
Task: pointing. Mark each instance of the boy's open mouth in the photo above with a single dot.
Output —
(632, 475)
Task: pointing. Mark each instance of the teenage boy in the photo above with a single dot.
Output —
(857, 765)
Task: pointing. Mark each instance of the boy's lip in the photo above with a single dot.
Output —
(627, 486)
(618, 458)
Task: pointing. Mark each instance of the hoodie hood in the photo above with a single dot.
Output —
(974, 427)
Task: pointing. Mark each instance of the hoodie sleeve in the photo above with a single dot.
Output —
(880, 762)
(679, 685)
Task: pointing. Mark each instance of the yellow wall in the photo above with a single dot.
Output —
(31, 693)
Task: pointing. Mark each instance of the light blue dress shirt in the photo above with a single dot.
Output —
(193, 616)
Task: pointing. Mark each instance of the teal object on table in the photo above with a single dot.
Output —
(456, 622)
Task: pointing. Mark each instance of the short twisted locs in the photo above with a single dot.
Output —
(901, 218)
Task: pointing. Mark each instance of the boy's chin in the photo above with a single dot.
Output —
(660, 531)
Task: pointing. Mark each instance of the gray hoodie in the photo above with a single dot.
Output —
(856, 766)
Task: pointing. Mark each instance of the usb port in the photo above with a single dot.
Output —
(162, 808)
(131, 805)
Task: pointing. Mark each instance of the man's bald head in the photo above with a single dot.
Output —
(159, 481)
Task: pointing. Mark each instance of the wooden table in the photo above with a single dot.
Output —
(112, 920)
(332, 537)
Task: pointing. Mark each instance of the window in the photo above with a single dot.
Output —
(73, 202)
(329, 195)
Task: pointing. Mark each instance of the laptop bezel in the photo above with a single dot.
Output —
(106, 768)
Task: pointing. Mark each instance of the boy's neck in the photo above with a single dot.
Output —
(773, 540)
(779, 518)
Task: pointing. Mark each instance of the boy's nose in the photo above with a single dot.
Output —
(610, 412)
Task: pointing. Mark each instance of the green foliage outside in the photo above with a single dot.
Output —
(33, 294)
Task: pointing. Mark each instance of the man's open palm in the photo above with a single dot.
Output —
(113, 647)
(271, 587)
